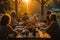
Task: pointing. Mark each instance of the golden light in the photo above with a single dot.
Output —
(26, 1)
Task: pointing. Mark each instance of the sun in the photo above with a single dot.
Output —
(26, 1)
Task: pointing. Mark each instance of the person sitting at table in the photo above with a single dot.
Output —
(6, 30)
(53, 30)
(25, 18)
(48, 20)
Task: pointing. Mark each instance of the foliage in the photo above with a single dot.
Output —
(4, 5)
(55, 4)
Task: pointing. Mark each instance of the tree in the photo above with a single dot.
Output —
(5, 5)
(43, 4)
(55, 4)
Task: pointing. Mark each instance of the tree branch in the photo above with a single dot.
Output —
(38, 1)
(46, 2)
(12, 1)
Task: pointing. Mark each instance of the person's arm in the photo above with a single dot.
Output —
(50, 28)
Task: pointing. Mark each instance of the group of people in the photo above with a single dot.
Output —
(7, 31)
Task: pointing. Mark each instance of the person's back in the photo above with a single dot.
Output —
(6, 29)
(6, 32)
(53, 29)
